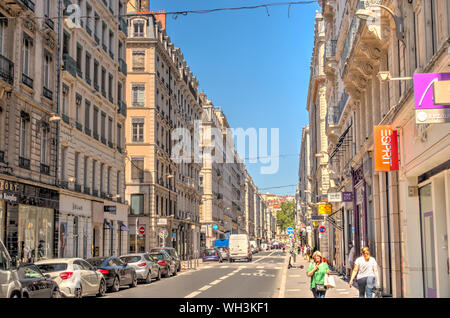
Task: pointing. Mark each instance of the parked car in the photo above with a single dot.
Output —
(146, 268)
(224, 252)
(212, 254)
(166, 263)
(116, 272)
(239, 247)
(172, 252)
(10, 286)
(35, 284)
(75, 277)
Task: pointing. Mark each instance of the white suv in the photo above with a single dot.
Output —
(10, 286)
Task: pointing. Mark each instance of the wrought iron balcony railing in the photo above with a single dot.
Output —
(6, 70)
(24, 163)
(45, 169)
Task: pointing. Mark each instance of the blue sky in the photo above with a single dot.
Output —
(253, 66)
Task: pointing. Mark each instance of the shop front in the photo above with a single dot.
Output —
(75, 227)
(28, 215)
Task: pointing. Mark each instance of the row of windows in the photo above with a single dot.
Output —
(164, 206)
(104, 131)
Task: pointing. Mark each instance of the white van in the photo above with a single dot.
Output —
(239, 247)
(10, 286)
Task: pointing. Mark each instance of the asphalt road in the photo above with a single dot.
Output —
(260, 278)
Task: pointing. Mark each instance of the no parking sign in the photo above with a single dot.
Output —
(322, 229)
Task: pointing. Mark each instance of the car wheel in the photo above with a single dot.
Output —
(148, 279)
(79, 292)
(56, 293)
(230, 260)
(15, 295)
(133, 281)
(174, 272)
(102, 288)
(116, 285)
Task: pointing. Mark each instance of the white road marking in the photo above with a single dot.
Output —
(193, 294)
(263, 257)
(277, 267)
(215, 282)
(283, 280)
(223, 277)
(295, 275)
(259, 266)
(226, 266)
(293, 290)
(205, 287)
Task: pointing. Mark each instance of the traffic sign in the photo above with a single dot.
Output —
(141, 230)
(322, 229)
(163, 233)
(290, 230)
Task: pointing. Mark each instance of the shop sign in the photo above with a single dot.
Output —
(308, 229)
(316, 217)
(431, 92)
(162, 222)
(6, 185)
(335, 197)
(110, 208)
(386, 148)
(8, 197)
(324, 209)
(347, 196)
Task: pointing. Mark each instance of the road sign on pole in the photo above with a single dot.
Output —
(290, 230)
(322, 229)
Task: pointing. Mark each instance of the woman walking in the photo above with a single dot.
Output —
(317, 270)
(365, 271)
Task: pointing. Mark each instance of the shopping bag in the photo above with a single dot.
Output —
(329, 281)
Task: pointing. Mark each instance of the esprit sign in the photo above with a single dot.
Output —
(386, 148)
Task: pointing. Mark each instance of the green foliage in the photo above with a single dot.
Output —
(286, 216)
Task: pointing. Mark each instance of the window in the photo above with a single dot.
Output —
(102, 165)
(87, 111)
(137, 169)
(76, 167)
(44, 144)
(138, 28)
(118, 183)
(110, 87)
(110, 129)
(95, 123)
(138, 61)
(104, 81)
(63, 163)
(47, 70)
(88, 68)
(138, 91)
(119, 136)
(85, 172)
(137, 204)
(96, 65)
(108, 180)
(79, 58)
(103, 128)
(93, 175)
(24, 132)
(26, 63)
(3, 26)
(119, 92)
(138, 129)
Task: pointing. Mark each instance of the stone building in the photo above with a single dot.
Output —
(161, 93)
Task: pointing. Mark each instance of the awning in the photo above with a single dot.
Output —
(108, 224)
(123, 227)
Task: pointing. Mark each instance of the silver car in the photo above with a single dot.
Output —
(146, 268)
(10, 286)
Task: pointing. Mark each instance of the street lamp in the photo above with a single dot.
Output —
(365, 14)
(385, 76)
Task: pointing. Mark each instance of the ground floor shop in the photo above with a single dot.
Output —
(28, 214)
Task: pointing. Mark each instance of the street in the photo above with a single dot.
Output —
(266, 276)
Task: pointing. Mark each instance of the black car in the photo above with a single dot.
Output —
(166, 262)
(172, 252)
(35, 284)
(116, 272)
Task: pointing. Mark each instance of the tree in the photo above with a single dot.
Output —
(286, 216)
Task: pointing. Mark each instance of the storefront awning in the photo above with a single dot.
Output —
(108, 224)
(124, 227)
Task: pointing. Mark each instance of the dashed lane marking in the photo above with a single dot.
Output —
(205, 287)
(193, 294)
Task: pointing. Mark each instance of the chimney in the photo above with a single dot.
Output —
(161, 17)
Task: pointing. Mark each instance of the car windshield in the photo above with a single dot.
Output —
(30, 271)
(96, 262)
(49, 268)
(130, 259)
(158, 256)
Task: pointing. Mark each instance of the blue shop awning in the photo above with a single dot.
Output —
(108, 225)
(123, 227)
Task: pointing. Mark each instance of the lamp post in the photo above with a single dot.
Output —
(365, 14)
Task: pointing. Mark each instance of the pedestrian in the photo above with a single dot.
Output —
(303, 250)
(365, 271)
(317, 270)
(308, 253)
(350, 261)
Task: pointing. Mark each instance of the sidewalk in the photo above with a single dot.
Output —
(298, 284)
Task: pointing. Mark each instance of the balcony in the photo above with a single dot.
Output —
(96, 87)
(64, 184)
(97, 39)
(105, 48)
(79, 72)
(6, 70)
(28, 81)
(122, 108)
(329, 58)
(2, 156)
(77, 187)
(103, 140)
(119, 149)
(45, 169)
(87, 131)
(88, 30)
(103, 195)
(24, 163)
(65, 119)
(70, 65)
(47, 93)
(95, 193)
(110, 144)
(28, 3)
(111, 99)
(79, 126)
(49, 22)
(122, 66)
(103, 93)
(96, 136)
(88, 80)
(111, 54)
(87, 190)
